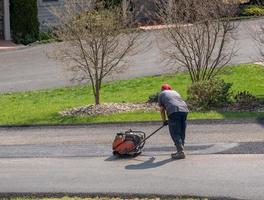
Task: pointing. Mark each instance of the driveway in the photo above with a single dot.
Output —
(223, 160)
(30, 69)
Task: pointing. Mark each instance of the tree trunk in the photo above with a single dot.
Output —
(97, 93)
(97, 98)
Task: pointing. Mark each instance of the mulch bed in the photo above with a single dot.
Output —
(109, 108)
(257, 106)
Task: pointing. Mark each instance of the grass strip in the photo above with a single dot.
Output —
(42, 107)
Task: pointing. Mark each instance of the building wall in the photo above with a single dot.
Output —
(5, 20)
(145, 11)
(46, 18)
(1, 19)
(45, 15)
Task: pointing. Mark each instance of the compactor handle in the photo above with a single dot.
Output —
(143, 141)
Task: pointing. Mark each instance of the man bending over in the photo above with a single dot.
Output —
(171, 102)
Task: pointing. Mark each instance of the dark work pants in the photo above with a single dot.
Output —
(177, 127)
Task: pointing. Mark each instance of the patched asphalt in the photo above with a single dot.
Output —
(246, 148)
(96, 140)
(97, 150)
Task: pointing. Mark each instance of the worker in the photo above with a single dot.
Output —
(172, 105)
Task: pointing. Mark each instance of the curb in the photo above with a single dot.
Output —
(108, 195)
(12, 49)
(142, 123)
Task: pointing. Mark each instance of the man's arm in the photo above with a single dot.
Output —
(163, 113)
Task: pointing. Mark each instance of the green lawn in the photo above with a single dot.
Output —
(41, 107)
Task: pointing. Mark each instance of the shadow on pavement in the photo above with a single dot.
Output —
(148, 164)
(261, 122)
(111, 158)
(114, 158)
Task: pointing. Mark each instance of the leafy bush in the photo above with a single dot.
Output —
(256, 10)
(24, 21)
(112, 2)
(48, 36)
(244, 97)
(45, 36)
(256, 2)
(245, 101)
(153, 98)
(209, 94)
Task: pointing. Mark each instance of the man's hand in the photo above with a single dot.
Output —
(165, 123)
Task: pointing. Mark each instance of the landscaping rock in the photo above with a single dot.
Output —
(259, 63)
(109, 108)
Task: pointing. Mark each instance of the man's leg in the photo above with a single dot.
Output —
(175, 127)
(183, 126)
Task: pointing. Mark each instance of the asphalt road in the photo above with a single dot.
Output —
(229, 176)
(96, 140)
(223, 160)
(30, 69)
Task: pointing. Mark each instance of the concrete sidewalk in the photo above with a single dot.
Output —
(231, 176)
(8, 45)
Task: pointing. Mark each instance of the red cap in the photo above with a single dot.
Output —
(166, 87)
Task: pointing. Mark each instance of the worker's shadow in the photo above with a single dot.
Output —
(148, 164)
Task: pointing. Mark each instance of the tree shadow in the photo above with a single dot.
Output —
(148, 164)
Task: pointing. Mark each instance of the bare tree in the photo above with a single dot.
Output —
(97, 42)
(198, 35)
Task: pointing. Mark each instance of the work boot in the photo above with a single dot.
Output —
(180, 153)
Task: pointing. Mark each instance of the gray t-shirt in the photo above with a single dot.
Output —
(172, 102)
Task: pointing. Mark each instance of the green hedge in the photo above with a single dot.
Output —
(24, 21)
(256, 2)
(255, 10)
(112, 2)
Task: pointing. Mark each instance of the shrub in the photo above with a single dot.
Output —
(244, 97)
(24, 21)
(153, 98)
(112, 2)
(256, 10)
(256, 2)
(45, 36)
(209, 94)
(245, 101)
(48, 36)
